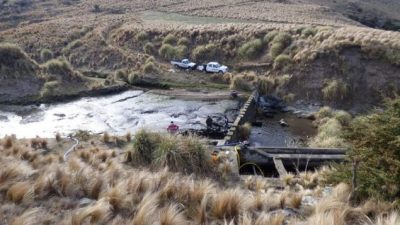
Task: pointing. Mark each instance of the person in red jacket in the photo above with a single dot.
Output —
(172, 128)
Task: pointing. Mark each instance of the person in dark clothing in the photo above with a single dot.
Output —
(209, 122)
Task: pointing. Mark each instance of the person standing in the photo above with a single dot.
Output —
(209, 122)
(172, 128)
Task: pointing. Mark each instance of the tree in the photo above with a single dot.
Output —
(375, 147)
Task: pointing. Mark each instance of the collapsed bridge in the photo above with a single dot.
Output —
(269, 160)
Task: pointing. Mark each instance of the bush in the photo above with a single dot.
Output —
(289, 98)
(270, 36)
(167, 52)
(46, 55)
(282, 61)
(276, 49)
(182, 154)
(144, 143)
(324, 112)
(343, 117)
(251, 49)
(14, 57)
(148, 48)
(240, 83)
(329, 135)
(284, 38)
(181, 51)
(334, 90)
(266, 85)
(150, 67)
(375, 145)
(185, 154)
(72, 45)
(169, 39)
(307, 32)
(205, 52)
(134, 78)
(61, 68)
(121, 75)
(184, 41)
(49, 88)
(280, 42)
(142, 36)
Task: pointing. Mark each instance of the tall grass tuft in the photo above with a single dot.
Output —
(335, 90)
(172, 216)
(251, 49)
(227, 205)
(100, 211)
(146, 210)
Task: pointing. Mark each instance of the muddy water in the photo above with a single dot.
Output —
(117, 114)
(273, 134)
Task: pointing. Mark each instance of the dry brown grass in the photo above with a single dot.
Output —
(117, 193)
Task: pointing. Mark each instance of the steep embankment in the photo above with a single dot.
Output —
(347, 67)
(23, 80)
(20, 76)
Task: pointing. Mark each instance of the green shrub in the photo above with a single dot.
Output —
(49, 88)
(148, 48)
(134, 78)
(150, 59)
(181, 51)
(334, 90)
(276, 49)
(205, 52)
(46, 55)
(14, 61)
(150, 67)
(284, 38)
(142, 36)
(266, 85)
(182, 154)
(169, 39)
(60, 68)
(270, 36)
(184, 41)
(251, 49)
(329, 135)
(289, 97)
(168, 52)
(144, 143)
(186, 154)
(324, 112)
(121, 75)
(343, 117)
(72, 45)
(307, 32)
(240, 83)
(393, 56)
(282, 61)
(280, 42)
(374, 141)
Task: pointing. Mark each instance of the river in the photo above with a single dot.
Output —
(116, 114)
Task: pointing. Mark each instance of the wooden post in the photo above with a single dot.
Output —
(353, 180)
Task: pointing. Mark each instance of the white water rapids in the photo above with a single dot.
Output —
(117, 114)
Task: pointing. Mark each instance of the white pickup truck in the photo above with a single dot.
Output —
(213, 67)
(184, 64)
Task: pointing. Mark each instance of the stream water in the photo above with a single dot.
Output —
(271, 133)
(117, 114)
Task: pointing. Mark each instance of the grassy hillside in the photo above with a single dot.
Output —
(313, 46)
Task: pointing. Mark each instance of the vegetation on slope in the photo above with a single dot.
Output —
(94, 185)
(374, 148)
